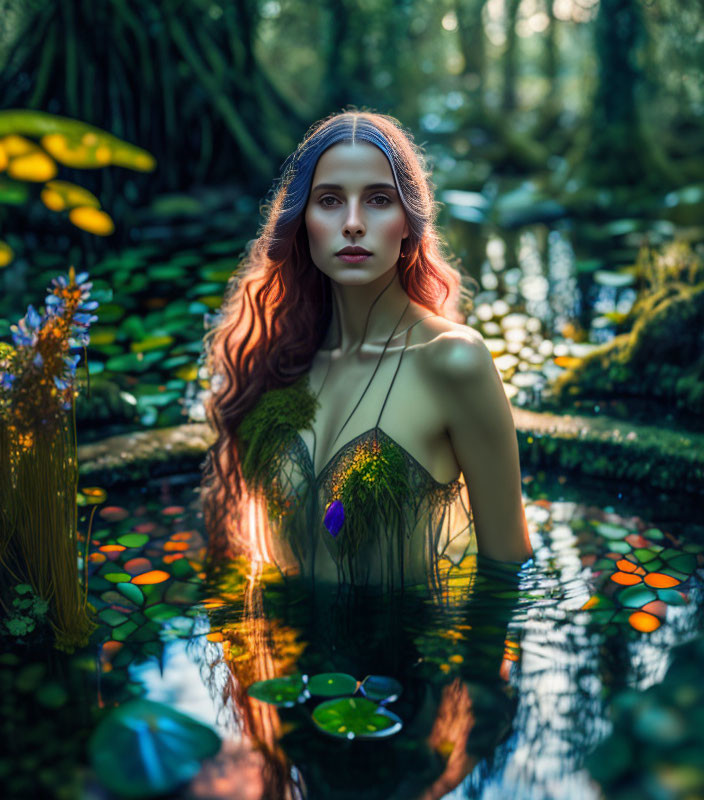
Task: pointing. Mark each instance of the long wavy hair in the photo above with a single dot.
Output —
(278, 304)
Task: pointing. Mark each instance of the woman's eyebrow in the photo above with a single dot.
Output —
(337, 187)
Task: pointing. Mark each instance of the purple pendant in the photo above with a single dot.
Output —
(334, 517)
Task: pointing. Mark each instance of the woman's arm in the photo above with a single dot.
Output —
(480, 426)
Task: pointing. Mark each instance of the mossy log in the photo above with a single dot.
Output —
(601, 447)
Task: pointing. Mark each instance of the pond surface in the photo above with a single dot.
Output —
(505, 682)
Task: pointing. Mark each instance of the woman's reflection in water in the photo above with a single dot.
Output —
(448, 653)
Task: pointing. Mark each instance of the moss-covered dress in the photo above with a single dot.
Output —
(374, 516)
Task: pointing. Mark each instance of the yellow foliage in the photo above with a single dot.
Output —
(92, 220)
(6, 254)
(3, 158)
(37, 167)
(73, 195)
(52, 200)
(14, 145)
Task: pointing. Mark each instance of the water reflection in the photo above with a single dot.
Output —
(451, 659)
(507, 679)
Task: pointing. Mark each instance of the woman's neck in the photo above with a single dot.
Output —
(355, 323)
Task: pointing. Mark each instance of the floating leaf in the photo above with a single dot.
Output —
(671, 596)
(131, 592)
(660, 581)
(625, 578)
(355, 718)
(133, 539)
(281, 692)
(636, 596)
(644, 622)
(381, 688)
(610, 531)
(153, 576)
(332, 684)
(162, 747)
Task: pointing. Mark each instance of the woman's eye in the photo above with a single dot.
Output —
(380, 197)
(323, 201)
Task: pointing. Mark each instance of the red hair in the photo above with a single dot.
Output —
(278, 305)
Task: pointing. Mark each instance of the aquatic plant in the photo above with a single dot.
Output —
(38, 453)
(144, 749)
(357, 712)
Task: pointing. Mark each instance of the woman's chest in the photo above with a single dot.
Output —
(393, 394)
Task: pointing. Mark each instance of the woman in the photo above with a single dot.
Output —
(344, 297)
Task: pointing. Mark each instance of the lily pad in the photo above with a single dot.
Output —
(355, 718)
(332, 684)
(610, 531)
(281, 692)
(162, 747)
(636, 596)
(381, 688)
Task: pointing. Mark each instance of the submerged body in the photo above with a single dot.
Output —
(405, 513)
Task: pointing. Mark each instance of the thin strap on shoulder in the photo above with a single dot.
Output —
(398, 365)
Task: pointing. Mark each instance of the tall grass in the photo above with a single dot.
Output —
(38, 459)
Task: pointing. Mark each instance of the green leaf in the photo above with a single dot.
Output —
(380, 688)
(355, 718)
(332, 684)
(281, 692)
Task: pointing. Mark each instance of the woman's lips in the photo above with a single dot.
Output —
(354, 258)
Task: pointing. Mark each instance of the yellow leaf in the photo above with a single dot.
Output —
(6, 254)
(92, 220)
(73, 195)
(32, 167)
(52, 200)
(14, 145)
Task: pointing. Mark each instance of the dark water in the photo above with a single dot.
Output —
(506, 681)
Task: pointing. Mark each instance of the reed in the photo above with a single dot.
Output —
(39, 538)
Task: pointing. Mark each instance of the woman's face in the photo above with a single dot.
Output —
(354, 204)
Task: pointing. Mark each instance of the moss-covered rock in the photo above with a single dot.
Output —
(662, 356)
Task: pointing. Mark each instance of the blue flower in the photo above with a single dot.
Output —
(334, 517)
(61, 384)
(38, 360)
(34, 320)
(6, 380)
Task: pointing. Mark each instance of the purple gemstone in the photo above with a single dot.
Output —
(334, 517)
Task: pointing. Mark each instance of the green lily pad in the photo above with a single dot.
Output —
(355, 718)
(380, 688)
(131, 592)
(620, 547)
(332, 684)
(644, 555)
(281, 692)
(654, 534)
(636, 596)
(163, 748)
(610, 531)
(671, 597)
(133, 539)
(685, 563)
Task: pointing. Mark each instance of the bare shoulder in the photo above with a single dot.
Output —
(454, 353)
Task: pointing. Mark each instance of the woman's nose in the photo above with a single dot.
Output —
(354, 224)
